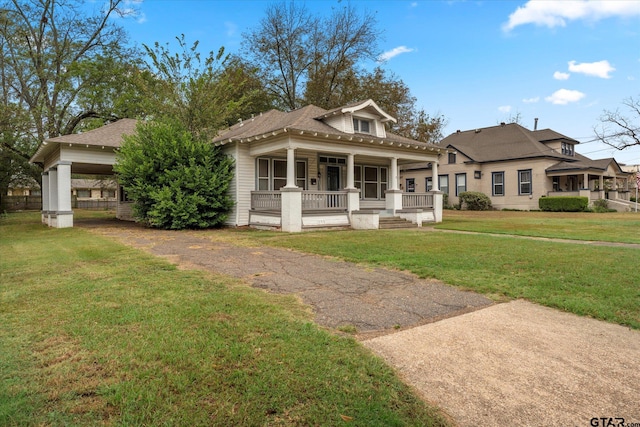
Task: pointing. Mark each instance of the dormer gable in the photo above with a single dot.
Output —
(364, 117)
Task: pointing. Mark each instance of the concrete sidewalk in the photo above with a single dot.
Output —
(522, 364)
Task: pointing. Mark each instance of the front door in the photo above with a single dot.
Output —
(333, 178)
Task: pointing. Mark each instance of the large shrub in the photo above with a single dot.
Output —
(563, 203)
(175, 180)
(474, 201)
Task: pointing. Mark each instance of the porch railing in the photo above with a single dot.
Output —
(417, 200)
(266, 200)
(324, 200)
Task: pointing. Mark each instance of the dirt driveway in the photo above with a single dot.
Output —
(485, 364)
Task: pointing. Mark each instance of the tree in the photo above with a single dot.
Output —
(52, 54)
(203, 93)
(311, 60)
(176, 180)
(620, 130)
(297, 50)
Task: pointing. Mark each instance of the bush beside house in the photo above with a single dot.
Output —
(474, 201)
(563, 204)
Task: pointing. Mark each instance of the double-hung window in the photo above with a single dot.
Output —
(524, 181)
(272, 174)
(361, 125)
(497, 182)
(461, 183)
(428, 183)
(443, 183)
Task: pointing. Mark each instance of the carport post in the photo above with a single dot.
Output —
(64, 213)
(45, 198)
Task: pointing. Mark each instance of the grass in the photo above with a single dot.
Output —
(596, 281)
(608, 227)
(96, 333)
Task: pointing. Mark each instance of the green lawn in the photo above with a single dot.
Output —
(601, 282)
(93, 332)
(608, 227)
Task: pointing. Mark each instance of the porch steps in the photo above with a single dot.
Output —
(394, 222)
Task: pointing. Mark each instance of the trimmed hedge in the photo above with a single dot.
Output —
(563, 204)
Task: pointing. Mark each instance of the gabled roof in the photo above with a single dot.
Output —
(306, 120)
(503, 142)
(109, 135)
(583, 163)
(353, 107)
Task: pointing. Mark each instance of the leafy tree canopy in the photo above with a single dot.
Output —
(176, 180)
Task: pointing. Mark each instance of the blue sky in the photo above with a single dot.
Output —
(476, 62)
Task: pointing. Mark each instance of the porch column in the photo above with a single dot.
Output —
(393, 196)
(585, 184)
(353, 194)
(394, 174)
(53, 196)
(291, 210)
(601, 187)
(435, 184)
(291, 168)
(64, 212)
(45, 198)
(350, 168)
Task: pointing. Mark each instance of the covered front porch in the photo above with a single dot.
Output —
(333, 190)
(609, 184)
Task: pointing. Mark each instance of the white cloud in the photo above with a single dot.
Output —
(531, 100)
(561, 76)
(504, 108)
(597, 69)
(231, 27)
(414, 4)
(565, 96)
(557, 13)
(394, 52)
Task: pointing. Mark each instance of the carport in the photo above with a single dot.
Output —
(92, 152)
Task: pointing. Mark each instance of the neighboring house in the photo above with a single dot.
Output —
(94, 189)
(313, 167)
(515, 166)
(293, 170)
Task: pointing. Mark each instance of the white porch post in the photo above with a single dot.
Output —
(64, 213)
(353, 194)
(585, 184)
(53, 197)
(435, 181)
(291, 198)
(291, 167)
(393, 196)
(45, 198)
(350, 167)
(394, 173)
(601, 189)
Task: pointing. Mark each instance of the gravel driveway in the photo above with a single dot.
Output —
(487, 364)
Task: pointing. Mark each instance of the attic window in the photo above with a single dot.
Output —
(567, 149)
(361, 126)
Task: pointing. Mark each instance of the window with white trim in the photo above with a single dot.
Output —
(461, 183)
(497, 183)
(524, 182)
(428, 183)
(272, 174)
(361, 125)
(443, 183)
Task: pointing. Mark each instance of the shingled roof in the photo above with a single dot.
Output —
(109, 135)
(305, 119)
(584, 163)
(503, 142)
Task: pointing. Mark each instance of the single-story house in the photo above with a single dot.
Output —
(94, 189)
(515, 166)
(295, 170)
